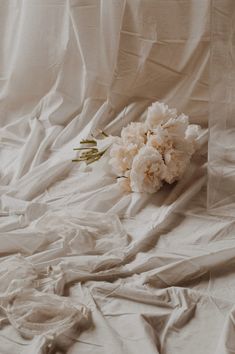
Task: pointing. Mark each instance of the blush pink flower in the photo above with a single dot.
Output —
(159, 113)
(147, 171)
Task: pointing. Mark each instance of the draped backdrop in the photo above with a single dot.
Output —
(84, 266)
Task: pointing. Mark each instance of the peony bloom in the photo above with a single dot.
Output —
(192, 133)
(147, 170)
(176, 163)
(134, 133)
(159, 139)
(176, 127)
(122, 157)
(159, 113)
(175, 131)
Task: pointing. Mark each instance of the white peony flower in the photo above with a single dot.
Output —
(122, 157)
(159, 139)
(159, 113)
(134, 133)
(172, 135)
(192, 133)
(147, 170)
(176, 163)
(176, 127)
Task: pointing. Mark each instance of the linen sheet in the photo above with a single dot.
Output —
(85, 267)
(221, 153)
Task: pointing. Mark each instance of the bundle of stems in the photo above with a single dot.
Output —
(88, 153)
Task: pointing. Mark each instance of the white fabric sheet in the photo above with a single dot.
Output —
(86, 268)
(221, 195)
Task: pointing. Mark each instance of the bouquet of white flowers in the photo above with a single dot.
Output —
(149, 153)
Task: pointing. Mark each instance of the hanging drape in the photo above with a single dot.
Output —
(84, 266)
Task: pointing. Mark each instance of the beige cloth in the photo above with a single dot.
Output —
(221, 193)
(86, 268)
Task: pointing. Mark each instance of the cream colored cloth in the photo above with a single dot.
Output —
(221, 192)
(86, 268)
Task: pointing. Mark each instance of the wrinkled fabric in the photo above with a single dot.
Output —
(221, 196)
(84, 266)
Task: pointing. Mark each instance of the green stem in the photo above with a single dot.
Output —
(88, 142)
(85, 148)
(106, 135)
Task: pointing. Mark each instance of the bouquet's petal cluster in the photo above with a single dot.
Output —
(122, 157)
(147, 170)
(134, 133)
(159, 113)
(150, 153)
